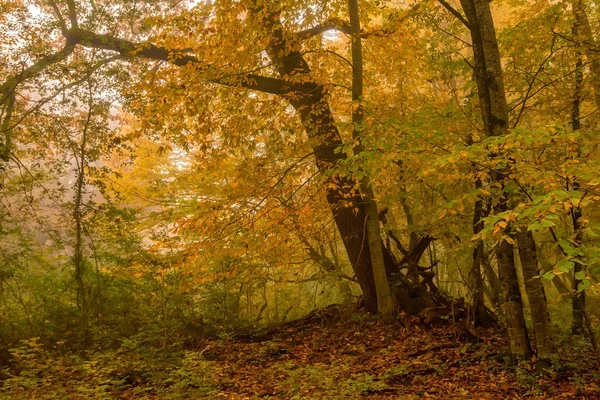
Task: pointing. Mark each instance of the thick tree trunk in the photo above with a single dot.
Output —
(346, 205)
(345, 202)
(494, 112)
(540, 315)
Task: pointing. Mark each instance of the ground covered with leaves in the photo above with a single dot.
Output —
(330, 354)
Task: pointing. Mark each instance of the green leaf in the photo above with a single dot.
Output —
(565, 265)
(579, 275)
(548, 275)
(583, 285)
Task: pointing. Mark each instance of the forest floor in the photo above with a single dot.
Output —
(330, 354)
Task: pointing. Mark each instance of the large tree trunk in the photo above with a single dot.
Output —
(494, 112)
(346, 203)
(540, 315)
(512, 303)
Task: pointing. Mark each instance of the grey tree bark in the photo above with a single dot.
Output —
(540, 315)
(494, 113)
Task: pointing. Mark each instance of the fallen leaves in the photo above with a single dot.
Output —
(330, 354)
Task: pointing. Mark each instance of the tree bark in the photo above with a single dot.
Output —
(494, 112)
(577, 326)
(494, 283)
(585, 39)
(540, 315)
(479, 313)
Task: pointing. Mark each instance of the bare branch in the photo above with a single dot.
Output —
(59, 17)
(455, 12)
(62, 89)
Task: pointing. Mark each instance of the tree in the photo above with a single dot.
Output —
(295, 85)
(494, 113)
(385, 302)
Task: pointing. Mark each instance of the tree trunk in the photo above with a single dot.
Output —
(584, 37)
(494, 112)
(492, 277)
(479, 311)
(538, 305)
(345, 202)
(578, 297)
(385, 303)
(512, 303)
(78, 256)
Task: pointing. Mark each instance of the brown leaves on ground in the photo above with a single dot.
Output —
(359, 356)
(331, 354)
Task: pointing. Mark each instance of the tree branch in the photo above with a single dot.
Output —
(329, 25)
(179, 58)
(336, 24)
(455, 12)
(72, 14)
(9, 86)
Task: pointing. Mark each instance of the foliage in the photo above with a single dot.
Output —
(164, 179)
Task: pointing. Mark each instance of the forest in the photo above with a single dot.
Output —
(299, 199)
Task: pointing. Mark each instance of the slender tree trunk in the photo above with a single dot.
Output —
(385, 303)
(538, 305)
(576, 215)
(494, 289)
(480, 313)
(586, 40)
(494, 112)
(78, 257)
(578, 297)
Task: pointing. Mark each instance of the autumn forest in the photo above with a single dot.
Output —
(299, 199)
